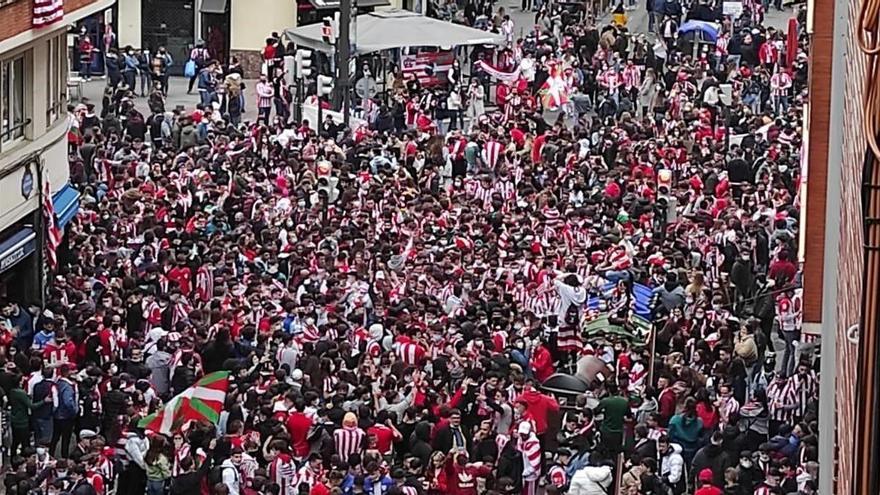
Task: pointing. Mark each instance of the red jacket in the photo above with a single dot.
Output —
(667, 402)
(542, 363)
(298, 425)
(539, 406)
(708, 490)
(462, 480)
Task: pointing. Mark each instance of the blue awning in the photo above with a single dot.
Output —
(17, 247)
(66, 204)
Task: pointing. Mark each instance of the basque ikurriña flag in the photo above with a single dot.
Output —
(201, 402)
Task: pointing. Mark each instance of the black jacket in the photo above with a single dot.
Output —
(646, 449)
(190, 483)
(83, 487)
(420, 446)
(715, 458)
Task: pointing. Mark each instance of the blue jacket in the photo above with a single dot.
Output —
(385, 481)
(206, 82)
(68, 404)
(42, 338)
(25, 324)
(112, 64)
(130, 63)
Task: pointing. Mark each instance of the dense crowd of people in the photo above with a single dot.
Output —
(389, 300)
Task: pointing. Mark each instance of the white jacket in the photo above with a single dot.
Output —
(591, 480)
(568, 295)
(672, 465)
(230, 476)
(136, 447)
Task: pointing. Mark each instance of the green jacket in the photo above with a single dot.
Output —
(20, 404)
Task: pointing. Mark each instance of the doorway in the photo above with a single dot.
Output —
(215, 28)
(169, 23)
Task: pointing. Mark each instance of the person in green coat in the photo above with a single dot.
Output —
(21, 405)
(685, 429)
(614, 408)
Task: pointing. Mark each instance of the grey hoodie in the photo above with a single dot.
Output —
(159, 364)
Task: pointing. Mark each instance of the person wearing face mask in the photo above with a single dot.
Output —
(130, 67)
(671, 293)
(748, 475)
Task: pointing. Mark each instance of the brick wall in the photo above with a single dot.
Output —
(16, 17)
(849, 276)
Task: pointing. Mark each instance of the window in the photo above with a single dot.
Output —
(12, 100)
(56, 78)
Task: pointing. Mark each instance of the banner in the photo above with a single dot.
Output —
(310, 112)
(429, 67)
(734, 9)
(494, 73)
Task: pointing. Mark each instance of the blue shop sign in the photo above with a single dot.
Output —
(17, 247)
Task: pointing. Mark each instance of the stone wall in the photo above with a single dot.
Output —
(251, 62)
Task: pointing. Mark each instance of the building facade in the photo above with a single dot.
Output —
(33, 138)
(227, 27)
(834, 238)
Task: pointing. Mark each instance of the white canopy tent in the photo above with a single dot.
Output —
(388, 29)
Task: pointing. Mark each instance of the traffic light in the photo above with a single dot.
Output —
(289, 70)
(329, 30)
(303, 59)
(325, 85)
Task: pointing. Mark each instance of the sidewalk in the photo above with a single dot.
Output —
(94, 91)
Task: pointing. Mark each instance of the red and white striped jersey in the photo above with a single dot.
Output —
(721, 45)
(483, 194)
(204, 284)
(780, 83)
(531, 454)
(348, 441)
(409, 353)
(491, 153)
(282, 471)
(557, 477)
(631, 77)
(781, 398)
(506, 188)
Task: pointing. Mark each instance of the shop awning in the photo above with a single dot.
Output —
(387, 29)
(334, 4)
(214, 6)
(17, 247)
(66, 204)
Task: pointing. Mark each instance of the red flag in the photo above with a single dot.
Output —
(47, 12)
(53, 233)
(792, 43)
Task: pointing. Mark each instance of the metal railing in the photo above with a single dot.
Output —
(9, 134)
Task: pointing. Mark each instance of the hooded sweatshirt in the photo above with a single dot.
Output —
(685, 431)
(591, 480)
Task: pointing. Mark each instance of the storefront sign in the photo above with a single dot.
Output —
(16, 248)
(12, 258)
